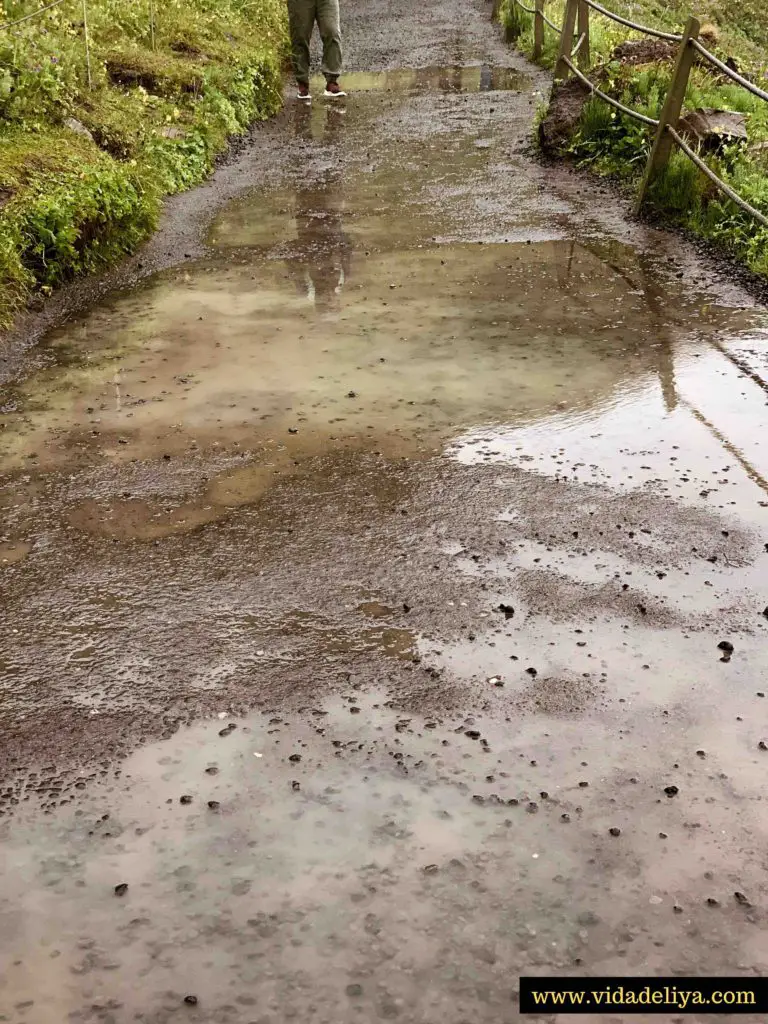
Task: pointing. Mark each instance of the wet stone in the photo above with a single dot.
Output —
(191, 1000)
(671, 791)
(121, 889)
(725, 645)
(186, 799)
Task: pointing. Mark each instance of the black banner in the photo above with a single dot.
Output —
(643, 995)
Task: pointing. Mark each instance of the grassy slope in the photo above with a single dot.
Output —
(616, 145)
(157, 119)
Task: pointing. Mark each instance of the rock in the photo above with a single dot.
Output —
(565, 108)
(190, 1000)
(671, 791)
(711, 129)
(78, 128)
(214, 805)
(171, 132)
(712, 902)
(185, 799)
(741, 899)
(121, 889)
(615, 831)
(472, 734)
(295, 758)
(701, 753)
(765, 610)
(725, 645)
(507, 610)
(565, 817)
(762, 745)
(644, 51)
(431, 869)
(353, 991)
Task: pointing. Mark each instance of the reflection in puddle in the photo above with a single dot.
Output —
(473, 78)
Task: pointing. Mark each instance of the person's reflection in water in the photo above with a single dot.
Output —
(319, 259)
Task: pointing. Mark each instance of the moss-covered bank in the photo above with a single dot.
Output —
(84, 169)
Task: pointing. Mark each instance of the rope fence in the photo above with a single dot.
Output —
(666, 135)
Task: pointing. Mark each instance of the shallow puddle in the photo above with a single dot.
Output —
(355, 860)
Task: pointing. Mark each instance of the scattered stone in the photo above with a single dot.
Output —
(172, 132)
(431, 869)
(615, 831)
(478, 799)
(190, 1000)
(295, 758)
(741, 899)
(121, 889)
(762, 745)
(671, 791)
(725, 645)
(227, 729)
(78, 128)
(213, 770)
(186, 799)
(507, 609)
(701, 753)
(473, 734)
(711, 129)
(712, 902)
(214, 805)
(354, 991)
(565, 817)
(295, 785)
(663, 835)
(532, 807)
(583, 785)
(677, 908)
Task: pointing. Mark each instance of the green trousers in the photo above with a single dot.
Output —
(302, 15)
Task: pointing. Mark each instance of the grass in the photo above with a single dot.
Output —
(83, 170)
(615, 145)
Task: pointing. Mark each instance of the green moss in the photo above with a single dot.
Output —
(157, 117)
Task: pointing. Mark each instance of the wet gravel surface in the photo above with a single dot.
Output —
(384, 581)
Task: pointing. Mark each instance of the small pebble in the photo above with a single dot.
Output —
(725, 645)
(671, 790)
(121, 889)
(615, 831)
(214, 805)
(185, 799)
(190, 1000)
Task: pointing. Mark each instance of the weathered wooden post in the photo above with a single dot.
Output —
(566, 39)
(538, 30)
(670, 114)
(583, 30)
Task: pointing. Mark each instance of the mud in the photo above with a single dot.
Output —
(369, 571)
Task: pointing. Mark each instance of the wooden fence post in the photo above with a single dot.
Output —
(566, 39)
(670, 114)
(583, 30)
(538, 30)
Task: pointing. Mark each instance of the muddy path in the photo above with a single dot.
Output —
(383, 558)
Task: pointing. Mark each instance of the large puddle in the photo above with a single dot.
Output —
(393, 433)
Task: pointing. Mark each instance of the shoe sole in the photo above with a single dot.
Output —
(304, 99)
(335, 95)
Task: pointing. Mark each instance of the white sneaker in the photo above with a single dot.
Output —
(333, 91)
(302, 95)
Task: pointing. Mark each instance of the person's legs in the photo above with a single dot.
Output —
(301, 18)
(329, 23)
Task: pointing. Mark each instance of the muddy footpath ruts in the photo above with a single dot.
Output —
(384, 581)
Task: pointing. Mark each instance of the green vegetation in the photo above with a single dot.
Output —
(83, 170)
(613, 144)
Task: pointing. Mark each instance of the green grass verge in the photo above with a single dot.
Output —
(83, 171)
(615, 145)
